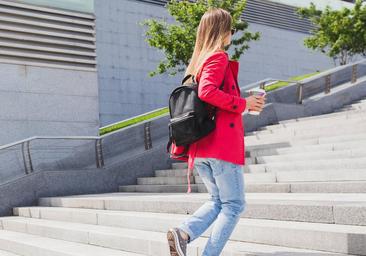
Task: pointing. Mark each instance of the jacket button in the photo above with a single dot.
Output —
(231, 124)
(233, 87)
(235, 106)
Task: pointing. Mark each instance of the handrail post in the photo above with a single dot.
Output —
(261, 85)
(27, 159)
(354, 74)
(299, 93)
(327, 84)
(99, 158)
(29, 156)
(147, 136)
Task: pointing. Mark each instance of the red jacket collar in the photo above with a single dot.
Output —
(233, 64)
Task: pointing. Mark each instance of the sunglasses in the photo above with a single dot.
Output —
(233, 30)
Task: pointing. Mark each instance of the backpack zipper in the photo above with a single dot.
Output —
(183, 116)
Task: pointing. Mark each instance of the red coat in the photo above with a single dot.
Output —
(226, 141)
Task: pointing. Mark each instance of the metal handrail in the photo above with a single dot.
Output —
(49, 137)
(263, 82)
(130, 118)
(255, 84)
(26, 154)
(325, 74)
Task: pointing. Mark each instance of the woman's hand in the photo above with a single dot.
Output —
(255, 103)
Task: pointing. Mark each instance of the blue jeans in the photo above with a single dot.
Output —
(225, 184)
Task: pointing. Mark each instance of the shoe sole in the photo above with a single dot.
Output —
(173, 242)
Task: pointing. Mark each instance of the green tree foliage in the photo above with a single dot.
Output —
(177, 40)
(340, 34)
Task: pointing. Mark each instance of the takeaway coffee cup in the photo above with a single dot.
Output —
(256, 91)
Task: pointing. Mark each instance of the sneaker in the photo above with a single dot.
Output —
(177, 244)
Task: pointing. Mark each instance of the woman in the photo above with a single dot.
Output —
(218, 157)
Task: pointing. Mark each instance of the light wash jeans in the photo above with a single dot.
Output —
(225, 184)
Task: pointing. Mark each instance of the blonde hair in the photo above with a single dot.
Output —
(212, 30)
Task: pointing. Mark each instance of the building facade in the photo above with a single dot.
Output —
(125, 58)
(48, 72)
(69, 67)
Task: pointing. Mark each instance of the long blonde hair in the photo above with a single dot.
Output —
(212, 30)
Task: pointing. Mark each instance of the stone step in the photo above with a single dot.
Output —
(311, 128)
(355, 159)
(327, 187)
(295, 187)
(292, 123)
(328, 175)
(321, 175)
(164, 180)
(144, 233)
(298, 149)
(309, 155)
(345, 110)
(184, 166)
(147, 242)
(178, 188)
(314, 164)
(251, 178)
(310, 132)
(180, 180)
(131, 240)
(302, 135)
(286, 143)
(353, 107)
(279, 163)
(5, 253)
(316, 118)
(173, 172)
(319, 117)
(182, 172)
(32, 245)
(324, 122)
(312, 207)
(179, 165)
(358, 105)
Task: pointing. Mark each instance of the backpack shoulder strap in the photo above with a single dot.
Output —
(187, 77)
(193, 78)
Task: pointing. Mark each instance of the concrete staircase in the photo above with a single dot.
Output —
(305, 182)
(318, 154)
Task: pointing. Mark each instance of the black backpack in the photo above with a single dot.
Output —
(190, 117)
